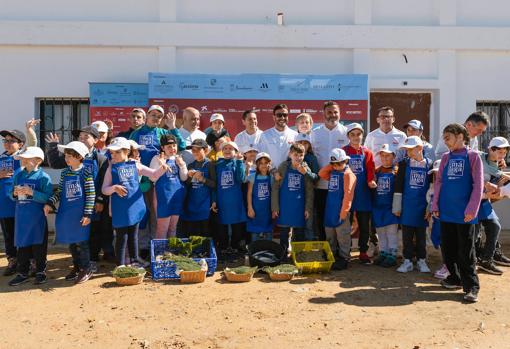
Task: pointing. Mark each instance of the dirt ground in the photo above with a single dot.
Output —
(362, 307)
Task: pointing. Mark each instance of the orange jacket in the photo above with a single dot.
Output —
(349, 184)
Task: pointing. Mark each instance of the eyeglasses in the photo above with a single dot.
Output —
(281, 115)
(9, 141)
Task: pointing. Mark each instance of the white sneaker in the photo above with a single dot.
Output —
(406, 266)
(422, 266)
(373, 250)
(442, 273)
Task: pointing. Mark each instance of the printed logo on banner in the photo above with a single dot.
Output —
(227, 178)
(333, 183)
(383, 185)
(146, 140)
(356, 165)
(294, 181)
(417, 178)
(73, 189)
(455, 168)
(263, 191)
(7, 164)
(126, 173)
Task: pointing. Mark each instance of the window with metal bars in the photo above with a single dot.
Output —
(499, 116)
(61, 116)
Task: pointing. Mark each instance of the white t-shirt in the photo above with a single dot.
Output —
(376, 138)
(323, 141)
(277, 144)
(245, 140)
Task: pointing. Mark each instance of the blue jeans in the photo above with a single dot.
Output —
(80, 251)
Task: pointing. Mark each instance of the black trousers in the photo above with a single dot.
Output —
(298, 234)
(415, 242)
(364, 228)
(492, 228)
(198, 228)
(101, 235)
(320, 207)
(238, 234)
(36, 252)
(7, 225)
(458, 245)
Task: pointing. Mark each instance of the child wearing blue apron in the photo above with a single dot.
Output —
(75, 195)
(199, 186)
(292, 197)
(127, 206)
(341, 184)
(228, 200)
(13, 141)
(260, 222)
(385, 222)
(458, 191)
(31, 189)
(170, 189)
(411, 186)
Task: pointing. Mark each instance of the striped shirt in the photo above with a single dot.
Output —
(89, 189)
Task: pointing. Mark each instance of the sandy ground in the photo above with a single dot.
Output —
(362, 307)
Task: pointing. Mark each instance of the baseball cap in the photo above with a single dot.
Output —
(217, 116)
(101, 126)
(262, 155)
(435, 166)
(136, 145)
(416, 124)
(385, 148)
(87, 129)
(231, 143)
(411, 142)
(338, 155)
(354, 126)
(301, 137)
(119, 143)
(499, 142)
(31, 152)
(198, 143)
(156, 107)
(248, 148)
(20, 136)
(78, 147)
(167, 139)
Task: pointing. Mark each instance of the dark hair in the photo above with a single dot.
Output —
(249, 111)
(167, 139)
(385, 108)
(457, 129)
(74, 154)
(478, 117)
(213, 136)
(297, 148)
(328, 104)
(279, 106)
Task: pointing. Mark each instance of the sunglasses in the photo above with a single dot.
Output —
(282, 115)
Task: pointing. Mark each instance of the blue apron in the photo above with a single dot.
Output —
(292, 199)
(7, 205)
(456, 188)
(230, 195)
(414, 196)
(170, 192)
(148, 137)
(383, 201)
(486, 211)
(261, 203)
(362, 198)
(130, 209)
(30, 221)
(334, 200)
(71, 210)
(198, 198)
(435, 233)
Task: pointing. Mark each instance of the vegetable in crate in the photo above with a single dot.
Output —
(241, 270)
(188, 247)
(311, 256)
(184, 263)
(282, 269)
(127, 272)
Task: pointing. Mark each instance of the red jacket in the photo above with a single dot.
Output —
(369, 159)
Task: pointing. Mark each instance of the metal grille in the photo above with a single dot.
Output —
(499, 114)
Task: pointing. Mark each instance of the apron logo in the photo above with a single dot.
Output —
(146, 140)
(294, 181)
(333, 183)
(7, 165)
(383, 185)
(195, 183)
(356, 165)
(455, 168)
(126, 173)
(417, 178)
(73, 189)
(227, 179)
(172, 174)
(263, 191)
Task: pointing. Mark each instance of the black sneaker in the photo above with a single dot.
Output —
(489, 267)
(83, 276)
(471, 296)
(340, 264)
(450, 285)
(18, 280)
(40, 278)
(11, 267)
(73, 275)
(501, 259)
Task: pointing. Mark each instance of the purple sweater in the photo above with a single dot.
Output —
(477, 176)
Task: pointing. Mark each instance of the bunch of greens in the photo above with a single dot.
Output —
(241, 270)
(282, 269)
(186, 248)
(183, 263)
(127, 272)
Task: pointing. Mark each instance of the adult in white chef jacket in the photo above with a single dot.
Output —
(277, 140)
(250, 137)
(325, 138)
(385, 134)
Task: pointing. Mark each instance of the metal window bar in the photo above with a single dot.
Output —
(499, 114)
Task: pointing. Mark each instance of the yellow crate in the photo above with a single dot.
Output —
(313, 267)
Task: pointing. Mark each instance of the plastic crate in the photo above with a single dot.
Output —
(164, 270)
(313, 267)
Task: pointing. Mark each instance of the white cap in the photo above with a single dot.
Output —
(416, 124)
(301, 137)
(338, 155)
(435, 166)
(136, 145)
(119, 143)
(248, 148)
(217, 116)
(412, 142)
(385, 148)
(31, 152)
(262, 155)
(156, 107)
(354, 126)
(100, 126)
(499, 142)
(231, 143)
(78, 147)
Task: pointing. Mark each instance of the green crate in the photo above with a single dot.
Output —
(313, 267)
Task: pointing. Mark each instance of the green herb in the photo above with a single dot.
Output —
(183, 263)
(186, 248)
(127, 272)
(282, 269)
(241, 270)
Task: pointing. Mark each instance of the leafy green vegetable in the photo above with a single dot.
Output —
(186, 248)
(282, 269)
(241, 270)
(127, 272)
(183, 263)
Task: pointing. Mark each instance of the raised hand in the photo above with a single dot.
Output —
(31, 123)
(52, 138)
(162, 162)
(179, 161)
(169, 120)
